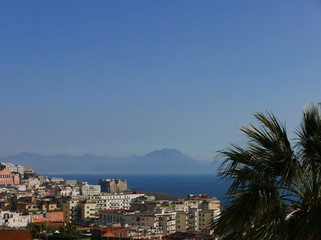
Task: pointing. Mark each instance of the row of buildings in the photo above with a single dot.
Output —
(38, 199)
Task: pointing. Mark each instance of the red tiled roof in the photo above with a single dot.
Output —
(109, 234)
(15, 235)
(109, 229)
(111, 210)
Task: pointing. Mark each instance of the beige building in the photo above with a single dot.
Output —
(110, 217)
(188, 220)
(27, 206)
(182, 221)
(210, 204)
(206, 217)
(88, 210)
(160, 221)
(149, 205)
(31, 182)
(71, 210)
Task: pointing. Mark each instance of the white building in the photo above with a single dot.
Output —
(70, 182)
(68, 192)
(14, 219)
(56, 180)
(118, 200)
(90, 190)
(31, 182)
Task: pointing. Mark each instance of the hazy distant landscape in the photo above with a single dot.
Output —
(165, 161)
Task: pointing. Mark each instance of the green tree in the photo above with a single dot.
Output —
(39, 231)
(274, 186)
(68, 229)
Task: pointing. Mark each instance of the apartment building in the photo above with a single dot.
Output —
(89, 210)
(109, 217)
(206, 218)
(71, 210)
(118, 200)
(158, 221)
(90, 190)
(32, 206)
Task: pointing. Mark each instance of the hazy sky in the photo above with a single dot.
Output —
(128, 77)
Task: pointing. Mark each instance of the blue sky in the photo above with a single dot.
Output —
(128, 77)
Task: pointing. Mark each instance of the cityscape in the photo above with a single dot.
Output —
(108, 209)
(160, 120)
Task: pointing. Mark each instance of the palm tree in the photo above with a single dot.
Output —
(274, 186)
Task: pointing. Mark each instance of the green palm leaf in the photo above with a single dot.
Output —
(275, 187)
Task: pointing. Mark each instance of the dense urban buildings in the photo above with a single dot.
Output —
(27, 200)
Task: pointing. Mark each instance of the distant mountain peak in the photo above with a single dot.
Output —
(164, 161)
(171, 150)
(168, 151)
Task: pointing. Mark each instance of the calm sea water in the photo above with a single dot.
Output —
(178, 184)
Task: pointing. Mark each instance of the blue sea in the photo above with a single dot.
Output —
(178, 184)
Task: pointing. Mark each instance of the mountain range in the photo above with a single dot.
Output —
(165, 161)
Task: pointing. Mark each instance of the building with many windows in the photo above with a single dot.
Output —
(118, 201)
(158, 221)
(71, 210)
(89, 210)
(8, 178)
(90, 190)
(16, 168)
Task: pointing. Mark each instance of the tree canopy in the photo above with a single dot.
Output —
(274, 183)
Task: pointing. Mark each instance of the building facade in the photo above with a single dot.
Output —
(118, 201)
(90, 190)
(7, 178)
(71, 210)
(14, 219)
(48, 217)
